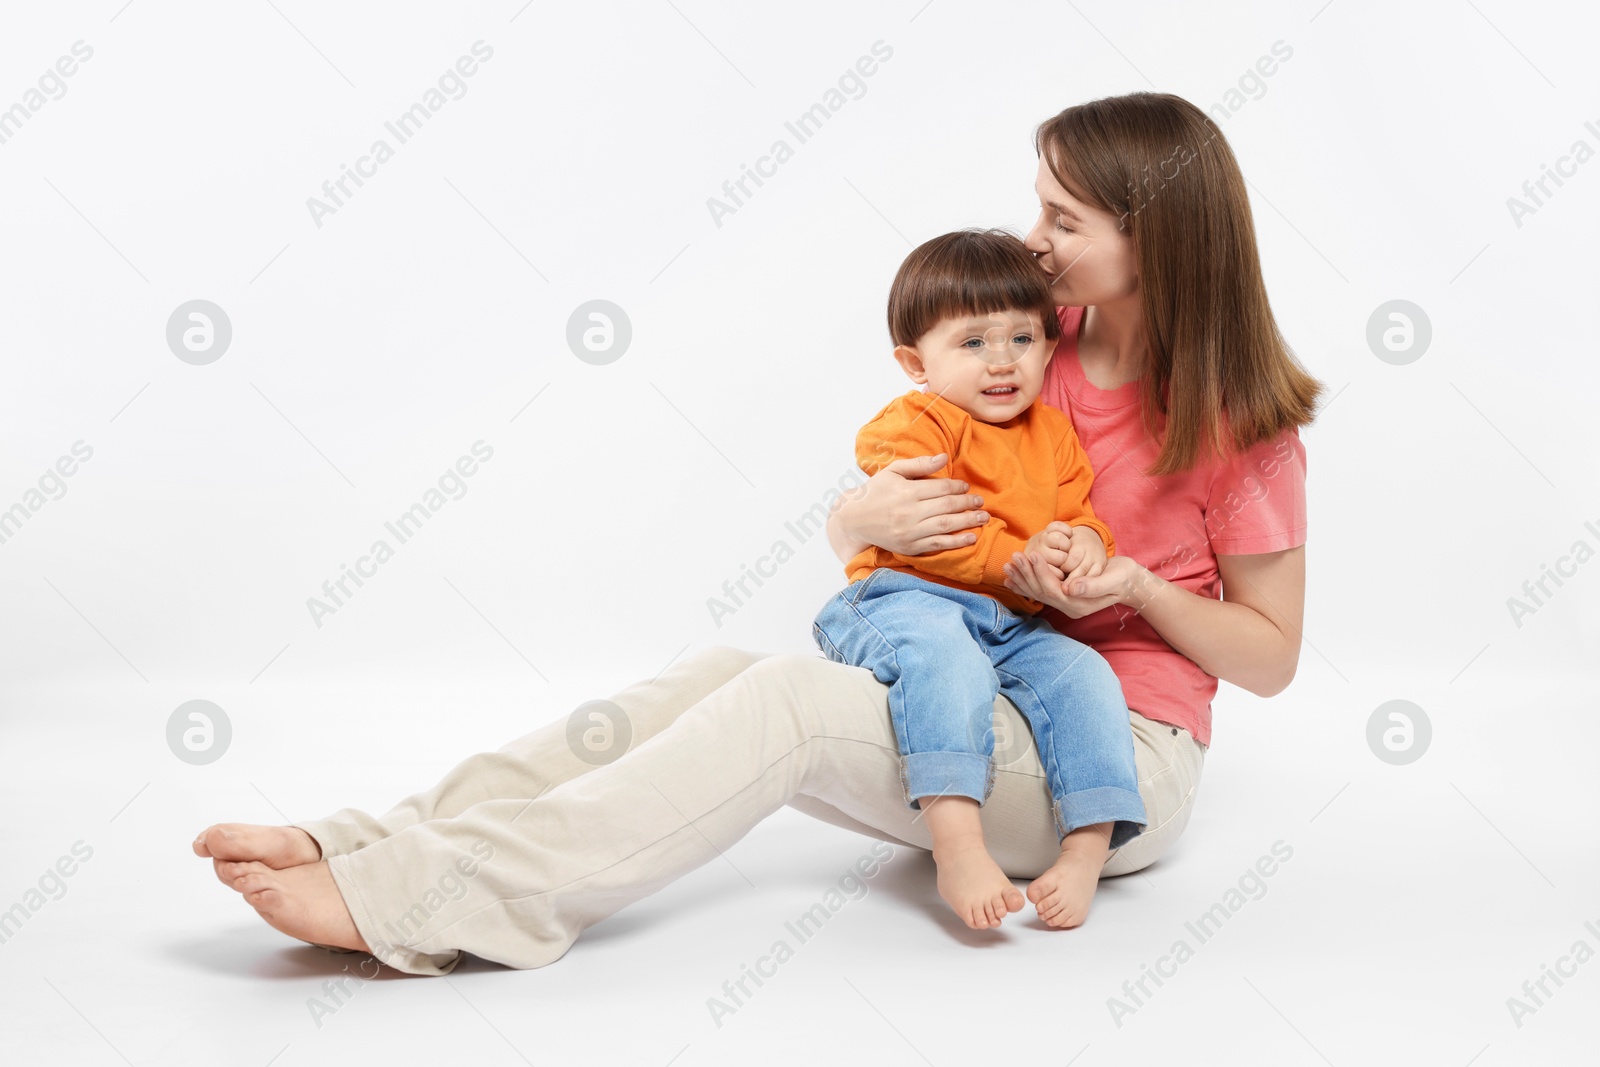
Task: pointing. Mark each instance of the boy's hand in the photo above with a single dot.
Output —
(1054, 543)
(1086, 557)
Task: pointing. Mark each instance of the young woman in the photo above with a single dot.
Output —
(1188, 402)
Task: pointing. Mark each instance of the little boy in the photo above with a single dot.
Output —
(972, 319)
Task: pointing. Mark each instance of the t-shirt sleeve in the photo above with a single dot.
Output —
(906, 426)
(1257, 501)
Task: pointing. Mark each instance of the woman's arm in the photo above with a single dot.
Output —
(1250, 638)
(903, 510)
(845, 546)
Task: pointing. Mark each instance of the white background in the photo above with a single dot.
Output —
(430, 311)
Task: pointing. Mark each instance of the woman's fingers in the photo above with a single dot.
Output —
(951, 493)
(916, 466)
(940, 542)
(1031, 575)
(928, 488)
(1088, 588)
(1017, 576)
(904, 510)
(947, 520)
(953, 507)
(917, 470)
(945, 502)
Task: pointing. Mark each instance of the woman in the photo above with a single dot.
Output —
(1188, 402)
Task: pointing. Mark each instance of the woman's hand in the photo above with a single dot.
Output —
(903, 510)
(1029, 575)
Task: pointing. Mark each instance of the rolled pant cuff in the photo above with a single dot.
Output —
(964, 774)
(326, 835)
(347, 878)
(1113, 804)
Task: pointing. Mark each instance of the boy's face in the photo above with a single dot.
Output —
(990, 366)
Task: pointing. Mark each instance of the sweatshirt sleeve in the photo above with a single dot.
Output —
(908, 429)
(1074, 478)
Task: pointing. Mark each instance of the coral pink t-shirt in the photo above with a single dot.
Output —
(1175, 525)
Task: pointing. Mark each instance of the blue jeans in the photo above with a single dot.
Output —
(945, 653)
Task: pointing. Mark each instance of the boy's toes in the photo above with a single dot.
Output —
(1048, 904)
(1062, 913)
(1039, 893)
(1013, 899)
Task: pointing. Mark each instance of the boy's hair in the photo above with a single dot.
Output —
(968, 272)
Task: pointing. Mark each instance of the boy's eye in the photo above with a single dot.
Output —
(1022, 339)
(969, 342)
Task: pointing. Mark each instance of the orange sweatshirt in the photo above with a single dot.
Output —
(1030, 470)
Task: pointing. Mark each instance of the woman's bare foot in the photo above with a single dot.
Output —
(275, 846)
(302, 901)
(974, 886)
(1061, 895)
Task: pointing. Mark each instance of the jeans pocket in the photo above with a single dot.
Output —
(1005, 619)
(858, 589)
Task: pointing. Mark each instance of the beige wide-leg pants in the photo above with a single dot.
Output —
(516, 852)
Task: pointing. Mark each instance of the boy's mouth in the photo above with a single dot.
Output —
(1001, 392)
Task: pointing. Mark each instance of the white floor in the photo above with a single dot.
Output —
(367, 353)
(1413, 903)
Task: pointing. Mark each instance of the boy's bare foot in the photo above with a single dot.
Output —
(302, 901)
(974, 886)
(970, 881)
(273, 846)
(1061, 895)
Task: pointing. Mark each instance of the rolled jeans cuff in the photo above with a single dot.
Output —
(964, 774)
(1113, 804)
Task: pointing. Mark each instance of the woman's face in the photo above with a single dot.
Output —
(1088, 260)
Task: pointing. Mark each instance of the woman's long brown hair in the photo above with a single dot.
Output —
(1162, 166)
